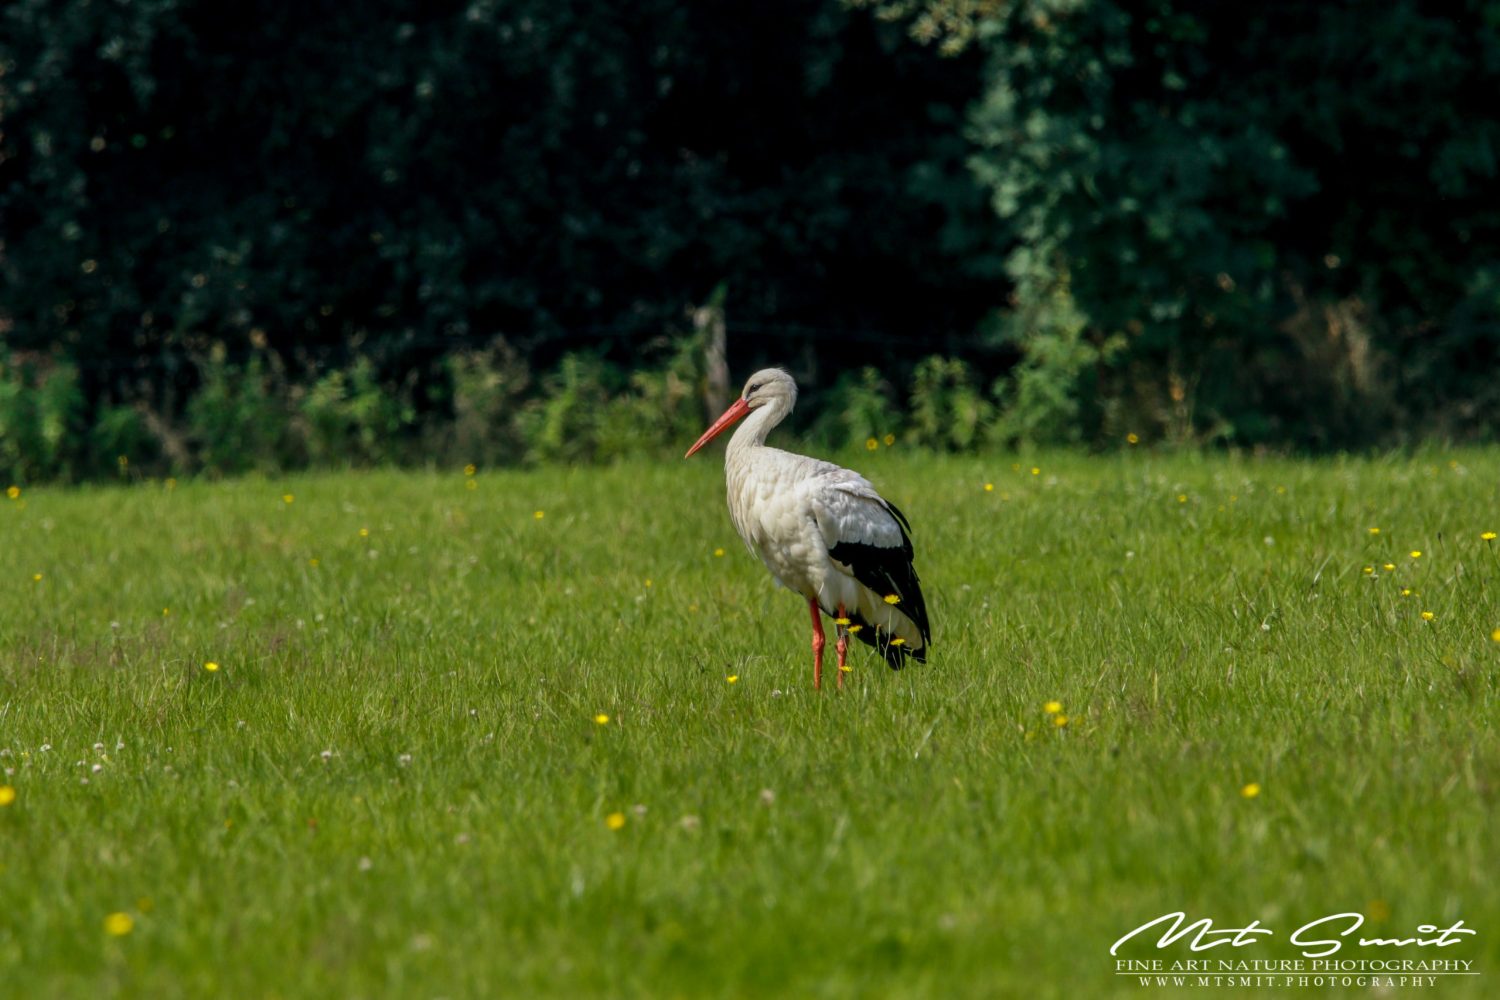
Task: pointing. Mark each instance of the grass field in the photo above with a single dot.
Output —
(399, 780)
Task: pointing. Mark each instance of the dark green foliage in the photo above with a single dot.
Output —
(1287, 215)
(264, 235)
(419, 179)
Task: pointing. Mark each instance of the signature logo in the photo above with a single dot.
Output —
(1317, 938)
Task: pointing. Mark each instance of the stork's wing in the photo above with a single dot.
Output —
(867, 537)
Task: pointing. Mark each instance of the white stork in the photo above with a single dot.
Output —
(822, 531)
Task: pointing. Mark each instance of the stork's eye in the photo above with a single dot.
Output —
(752, 389)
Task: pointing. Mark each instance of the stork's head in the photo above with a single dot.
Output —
(767, 387)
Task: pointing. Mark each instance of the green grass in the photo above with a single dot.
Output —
(1205, 623)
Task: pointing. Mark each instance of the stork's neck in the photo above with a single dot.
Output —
(752, 433)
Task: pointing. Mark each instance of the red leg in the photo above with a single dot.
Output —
(842, 648)
(817, 645)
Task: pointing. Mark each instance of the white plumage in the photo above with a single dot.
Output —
(822, 530)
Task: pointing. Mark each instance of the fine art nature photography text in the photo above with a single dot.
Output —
(814, 498)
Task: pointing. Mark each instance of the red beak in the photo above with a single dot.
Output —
(735, 412)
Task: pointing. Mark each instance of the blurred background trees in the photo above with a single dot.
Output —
(265, 235)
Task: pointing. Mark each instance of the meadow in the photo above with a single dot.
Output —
(552, 732)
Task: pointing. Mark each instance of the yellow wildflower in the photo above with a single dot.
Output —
(1059, 720)
(1052, 707)
(1416, 553)
(36, 578)
(469, 469)
(287, 498)
(602, 719)
(1374, 531)
(1132, 438)
(855, 629)
(871, 444)
(118, 924)
(539, 515)
(889, 439)
(14, 492)
(1488, 536)
(1495, 635)
(364, 532)
(732, 679)
(718, 553)
(471, 484)
(210, 666)
(1368, 570)
(1035, 471)
(1405, 591)
(893, 598)
(898, 641)
(841, 621)
(1388, 567)
(1428, 616)
(7, 795)
(1182, 498)
(989, 487)
(615, 821)
(1250, 791)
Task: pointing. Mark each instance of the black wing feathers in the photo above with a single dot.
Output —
(888, 570)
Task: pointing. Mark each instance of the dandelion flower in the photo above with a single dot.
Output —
(313, 563)
(889, 440)
(539, 514)
(846, 669)
(1416, 553)
(898, 641)
(989, 487)
(469, 469)
(1374, 531)
(364, 532)
(1035, 471)
(8, 794)
(118, 924)
(718, 553)
(602, 719)
(615, 821)
(1428, 616)
(1405, 591)
(1182, 498)
(287, 498)
(1495, 635)
(36, 578)
(893, 598)
(1250, 791)
(1052, 707)
(732, 679)
(871, 444)
(210, 666)
(1059, 720)
(648, 581)
(855, 629)
(1488, 536)
(471, 484)
(841, 621)
(1132, 438)
(1368, 570)
(14, 492)
(1388, 567)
